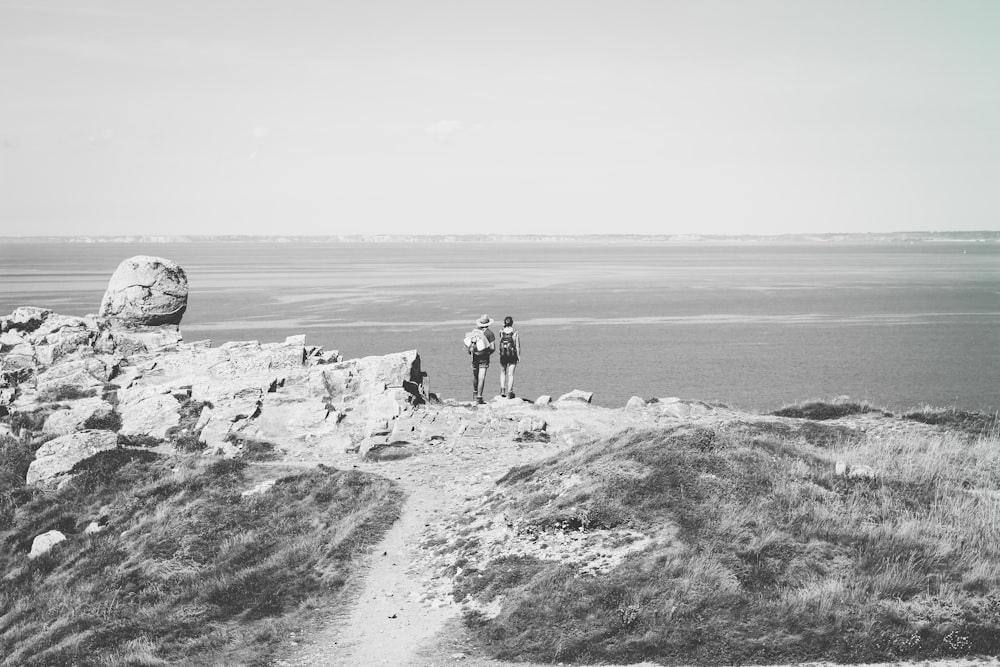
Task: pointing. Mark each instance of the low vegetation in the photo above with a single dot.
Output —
(187, 567)
(975, 423)
(761, 553)
(823, 410)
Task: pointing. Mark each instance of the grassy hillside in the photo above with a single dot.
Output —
(762, 553)
(186, 569)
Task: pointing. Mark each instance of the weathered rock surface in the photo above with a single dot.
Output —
(146, 290)
(148, 411)
(61, 454)
(62, 422)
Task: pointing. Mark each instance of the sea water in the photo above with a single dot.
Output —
(753, 325)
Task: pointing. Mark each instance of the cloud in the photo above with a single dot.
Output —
(447, 131)
(260, 132)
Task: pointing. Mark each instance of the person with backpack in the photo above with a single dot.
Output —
(480, 343)
(510, 353)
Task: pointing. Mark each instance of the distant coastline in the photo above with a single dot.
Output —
(874, 237)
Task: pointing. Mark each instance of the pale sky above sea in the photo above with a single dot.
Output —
(541, 117)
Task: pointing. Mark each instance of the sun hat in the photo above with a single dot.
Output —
(484, 321)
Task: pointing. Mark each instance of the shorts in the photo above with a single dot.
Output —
(508, 361)
(481, 362)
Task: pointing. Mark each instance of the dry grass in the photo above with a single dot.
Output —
(187, 569)
(775, 558)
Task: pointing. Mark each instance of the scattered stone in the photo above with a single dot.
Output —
(263, 487)
(93, 528)
(146, 290)
(577, 395)
(544, 399)
(861, 472)
(44, 542)
(840, 468)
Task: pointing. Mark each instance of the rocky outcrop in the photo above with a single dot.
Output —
(58, 456)
(148, 411)
(77, 416)
(146, 291)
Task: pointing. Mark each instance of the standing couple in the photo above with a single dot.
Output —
(481, 343)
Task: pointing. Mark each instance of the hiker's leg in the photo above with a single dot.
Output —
(510, 378)
(503, 379)
(475, 377)
(482, 380)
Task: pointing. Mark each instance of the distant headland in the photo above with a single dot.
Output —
(985, 236)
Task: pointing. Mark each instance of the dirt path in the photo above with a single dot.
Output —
(403, 613)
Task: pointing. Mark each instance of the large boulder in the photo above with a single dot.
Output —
(61, 454)
(146, 290)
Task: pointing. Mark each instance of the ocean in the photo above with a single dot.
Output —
(753, 325)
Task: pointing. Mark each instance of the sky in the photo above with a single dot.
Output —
(519, 117)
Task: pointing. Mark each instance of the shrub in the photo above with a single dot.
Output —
(821, 410)
(140, 440)
(104, 421)
(975, 423)
(252, 449)
(66, 392)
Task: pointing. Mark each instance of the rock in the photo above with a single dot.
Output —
(861, 472)
(840, 468)
(675, 408)
(42, 543)
(28, 318)
(148, 411)
(61, 454)
(635, 403)
(146, 290)
(80, 411)
(263, 487)
(93, 528)
(545, 399)
(140, 339)
(299, 340)
(82, 370)
(10, 339)
(577, 395)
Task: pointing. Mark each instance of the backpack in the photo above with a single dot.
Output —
(508, 347)
(475, 341)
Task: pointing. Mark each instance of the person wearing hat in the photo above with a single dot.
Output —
(481, 357)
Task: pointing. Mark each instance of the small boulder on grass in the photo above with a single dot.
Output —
(44, 542)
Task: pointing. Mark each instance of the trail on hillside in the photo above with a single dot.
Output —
(402, 612)
(404, 602)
